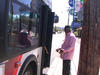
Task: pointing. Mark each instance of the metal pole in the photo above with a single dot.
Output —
(73, 11)
(68, 16)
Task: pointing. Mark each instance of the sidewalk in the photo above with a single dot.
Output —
(56, 61)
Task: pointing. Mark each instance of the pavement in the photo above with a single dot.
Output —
(56, 62)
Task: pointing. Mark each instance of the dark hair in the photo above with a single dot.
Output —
(67, 28)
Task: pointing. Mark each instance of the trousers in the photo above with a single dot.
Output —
(66, 67)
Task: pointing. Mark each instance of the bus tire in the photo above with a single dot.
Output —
(29, 70)
(29, 67)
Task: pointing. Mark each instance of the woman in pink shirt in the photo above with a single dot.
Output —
(67, 50)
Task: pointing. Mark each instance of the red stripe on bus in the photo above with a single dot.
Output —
(11, 67)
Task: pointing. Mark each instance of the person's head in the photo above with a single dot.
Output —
(67, 29)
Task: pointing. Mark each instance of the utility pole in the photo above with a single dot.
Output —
(68, 16)
(90, 44)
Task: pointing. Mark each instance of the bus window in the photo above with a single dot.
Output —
(22, 28)
(26, 2)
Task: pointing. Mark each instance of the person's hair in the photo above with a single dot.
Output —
(67, 28)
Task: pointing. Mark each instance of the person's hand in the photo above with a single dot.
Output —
(61, 51)
(58, 49)
(62, 54)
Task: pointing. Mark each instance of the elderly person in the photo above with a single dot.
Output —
(67, 50)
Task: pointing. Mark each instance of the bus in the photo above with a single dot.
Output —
(25, 36)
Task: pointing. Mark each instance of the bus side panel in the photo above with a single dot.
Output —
(37, 53)
(11, 67)
(2, 69)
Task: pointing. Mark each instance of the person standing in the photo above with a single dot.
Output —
(67, 50)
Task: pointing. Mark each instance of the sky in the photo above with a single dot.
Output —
(60, 7)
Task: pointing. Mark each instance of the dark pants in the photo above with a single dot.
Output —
(66, 67)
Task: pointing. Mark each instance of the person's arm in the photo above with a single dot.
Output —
(59, 49)
(71, 45)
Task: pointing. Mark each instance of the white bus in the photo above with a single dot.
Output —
(26, 28)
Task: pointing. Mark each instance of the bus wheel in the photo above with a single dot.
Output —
(29, 67)
(29, 70)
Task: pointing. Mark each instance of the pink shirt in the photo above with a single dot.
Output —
(68, 46)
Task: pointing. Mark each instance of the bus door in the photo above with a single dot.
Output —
(47, 18)
(49, 38)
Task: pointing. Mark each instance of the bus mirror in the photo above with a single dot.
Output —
(56, 19)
